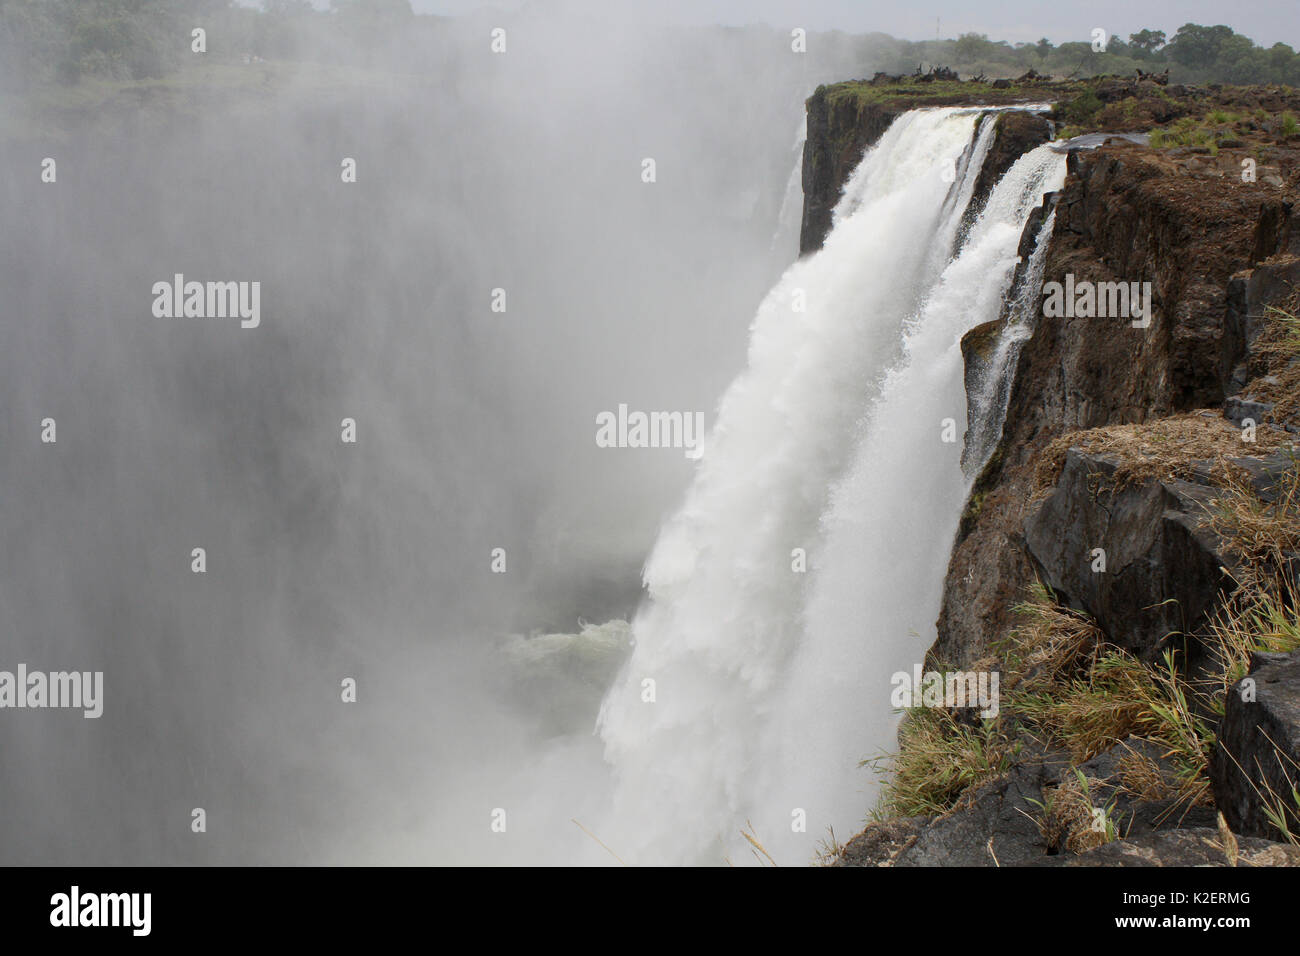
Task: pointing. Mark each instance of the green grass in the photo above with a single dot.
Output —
(1080, 110)
(910, 92)
(939, 759)
(865, 94)
(1184, 133)
(1063, 686)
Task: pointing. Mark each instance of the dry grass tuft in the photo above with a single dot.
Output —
(939, 759)
(756, 846)
(1064, 684)
(1092, 713)
(1261, 533)
(1050, 642)
(1279, 348)
(1166, 449)
(829, 849)
(1144, 778)
(1261, 616)
(1069, 819)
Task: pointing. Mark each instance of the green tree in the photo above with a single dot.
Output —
(973, 46)
(1148, 41)
(1239, 61)
(1196, 46)
(1283, 65)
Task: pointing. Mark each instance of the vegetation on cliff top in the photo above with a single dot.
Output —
(1177, 115)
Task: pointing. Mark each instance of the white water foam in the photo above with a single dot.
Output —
(722, 631)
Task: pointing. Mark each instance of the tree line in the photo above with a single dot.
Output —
(67, 41)
(1195, 54)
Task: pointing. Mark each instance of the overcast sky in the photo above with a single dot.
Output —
(1264, 21)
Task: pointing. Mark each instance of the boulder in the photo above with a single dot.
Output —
(995, 825)
(1255, 765)
(1164, 571)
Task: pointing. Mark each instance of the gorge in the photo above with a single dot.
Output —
(932, 297)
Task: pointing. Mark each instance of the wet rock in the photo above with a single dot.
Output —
(840, 130)
(838, 134)
(1016, 133)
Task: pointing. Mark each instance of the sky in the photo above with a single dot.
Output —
(1264, 21)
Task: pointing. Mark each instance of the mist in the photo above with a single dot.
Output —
(373, 560)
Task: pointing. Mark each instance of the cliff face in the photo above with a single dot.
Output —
(1188, 225)
(1125, 442)
(839, 132)
(841, 128)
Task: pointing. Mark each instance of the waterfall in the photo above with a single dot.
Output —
(754, 688)
(994, 375)
(887, 538)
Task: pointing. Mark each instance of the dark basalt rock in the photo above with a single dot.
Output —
(1163, 569)
(1256, 760)
(1269, 477)
(994, 825)
(997, 824)
(1126, 212)
(880, 843)
(1017, 133)
(1250, 293)
(839, 133)
(1191, 847)
(1237, 410)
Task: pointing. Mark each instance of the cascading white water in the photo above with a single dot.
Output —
(879, 571)
(769, 685)
(989, 406)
